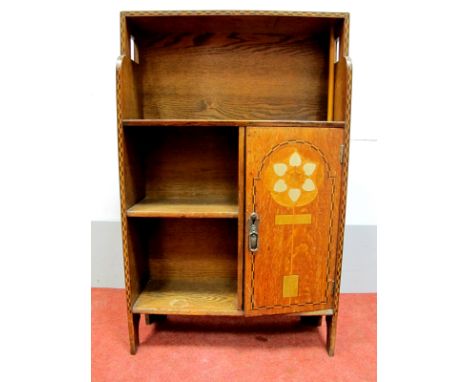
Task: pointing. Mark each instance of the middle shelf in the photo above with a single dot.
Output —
(185, 208)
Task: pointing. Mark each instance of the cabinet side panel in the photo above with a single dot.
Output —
(344, 37)
(340, 97)
(127, 108)
(128, 88)
(124, 36)
(339, 104)
(344, 183)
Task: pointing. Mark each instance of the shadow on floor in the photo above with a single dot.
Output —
(264, 332)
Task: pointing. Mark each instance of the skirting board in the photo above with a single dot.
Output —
(359, 273)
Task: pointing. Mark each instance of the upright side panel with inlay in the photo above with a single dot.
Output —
(293, 178)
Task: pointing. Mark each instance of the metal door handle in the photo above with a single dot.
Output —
(253, 232)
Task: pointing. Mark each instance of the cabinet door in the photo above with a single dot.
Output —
(293, 179)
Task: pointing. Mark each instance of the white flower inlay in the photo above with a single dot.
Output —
(295, 159)
(294, 180)
(309, 168)
(294, 194)
(280, 168)
(280, 186)
(308, 185)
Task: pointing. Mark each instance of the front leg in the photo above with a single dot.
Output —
(331, 333)
(134, 331)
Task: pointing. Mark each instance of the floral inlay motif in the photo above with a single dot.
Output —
(293, 177)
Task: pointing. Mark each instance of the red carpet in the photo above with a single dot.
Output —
(232, 349)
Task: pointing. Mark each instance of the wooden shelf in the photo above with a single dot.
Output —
(229, 122)
(217, 296)
(199, 208)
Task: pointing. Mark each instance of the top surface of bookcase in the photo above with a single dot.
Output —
(231, 65)
(335, 15)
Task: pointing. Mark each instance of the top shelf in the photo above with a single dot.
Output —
(230, 122)
(269, 69)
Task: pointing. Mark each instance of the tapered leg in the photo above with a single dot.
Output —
(331, 334)
(133, 331)
(311, 320)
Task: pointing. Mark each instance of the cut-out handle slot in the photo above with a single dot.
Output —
(133, 50)
(337, 49)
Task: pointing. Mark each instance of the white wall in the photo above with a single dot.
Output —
(104, 49)
(59, 170)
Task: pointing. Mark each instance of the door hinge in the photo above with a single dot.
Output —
(341, 153)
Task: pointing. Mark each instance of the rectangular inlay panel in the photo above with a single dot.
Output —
(293, 219)
(290, 285)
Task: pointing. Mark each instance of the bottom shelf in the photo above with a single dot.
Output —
(189, 297)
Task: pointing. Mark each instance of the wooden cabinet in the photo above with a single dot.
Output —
(233, 135)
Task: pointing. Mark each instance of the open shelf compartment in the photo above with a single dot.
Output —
(180, 172)
(233, 68)
(188, 266)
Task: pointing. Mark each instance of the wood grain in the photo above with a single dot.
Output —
(332, 321)
(325, 312)
(331, 73)
(130, 101)
(191, 248)
(134, 331)
(258, 22)
(241, 219)
(186, 208)
(128, 107)
(304, 250)
(331, 333)
(189, 297)
(148, 23)
(231, 122)
(234, 75)
(138, 271)
(340, 90)
(133, 169)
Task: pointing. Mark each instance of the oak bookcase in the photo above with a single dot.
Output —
(233, 137)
